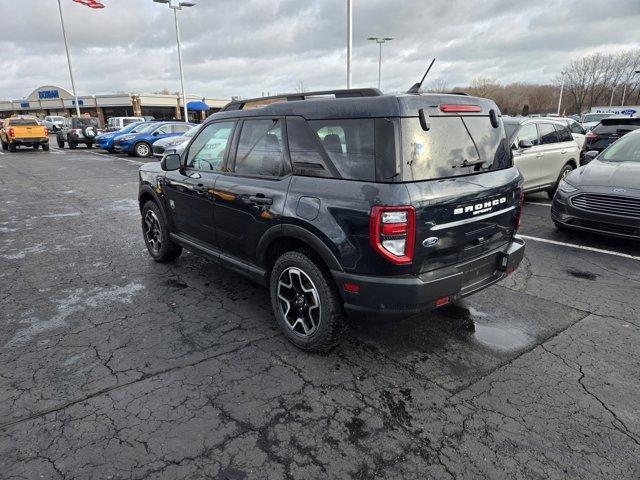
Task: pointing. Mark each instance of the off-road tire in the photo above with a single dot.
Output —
(72, 145)
(5, 145)
(168, 250)
(12, 147)
(60, 142)
(332, 320)
(45, 147)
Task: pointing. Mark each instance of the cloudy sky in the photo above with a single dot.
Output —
(246, 47)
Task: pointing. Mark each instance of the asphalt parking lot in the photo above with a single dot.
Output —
(115, 367)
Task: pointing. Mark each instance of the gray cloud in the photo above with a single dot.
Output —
(246, 47)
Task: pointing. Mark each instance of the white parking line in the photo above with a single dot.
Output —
(111, 157)
(581, 247)
(538, 203)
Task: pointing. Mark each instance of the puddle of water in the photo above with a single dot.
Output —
(501, 338)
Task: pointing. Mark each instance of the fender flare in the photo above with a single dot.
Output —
(299, 233)
(146, 190)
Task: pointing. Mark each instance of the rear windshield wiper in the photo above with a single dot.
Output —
(467, 163)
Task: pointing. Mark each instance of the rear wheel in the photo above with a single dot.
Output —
(566, 170)
(72, 145)
(89, 145)
(36, 146)
(60, 142)
(5, 145)
(306, 302)
(156, 235)
(12, 147)
(45, 147)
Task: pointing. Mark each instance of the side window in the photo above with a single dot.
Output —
(547, 134)
(163, 130)
(350, 146)
(564, 135)
(576, 128)
(208, 148)
(178, 128)
(528, 132)
(307, 155)
(260, 149)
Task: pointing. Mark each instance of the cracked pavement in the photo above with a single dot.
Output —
(115, 367)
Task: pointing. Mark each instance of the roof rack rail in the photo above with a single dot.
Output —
(289, 97)
(458, 93)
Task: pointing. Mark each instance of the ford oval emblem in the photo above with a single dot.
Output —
(431, 241)
(619, 190)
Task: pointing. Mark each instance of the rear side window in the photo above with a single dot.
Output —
(350, 146)
(452, 146)
(261, 149)
(564, 135)
(548, 134)
(576, 128)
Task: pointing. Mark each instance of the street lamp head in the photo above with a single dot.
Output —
(175, 4)
(386, 39)
(372, 38)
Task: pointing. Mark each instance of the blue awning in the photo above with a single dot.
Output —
(198, 106)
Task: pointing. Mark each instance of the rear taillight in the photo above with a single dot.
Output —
(592, 136)
(462, 108)
(12, 132)
(520, 207)
(46, 131)
(392, 233)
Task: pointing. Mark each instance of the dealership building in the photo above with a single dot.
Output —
(52, 100)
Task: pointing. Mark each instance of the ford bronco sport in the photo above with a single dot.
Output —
(347, 201)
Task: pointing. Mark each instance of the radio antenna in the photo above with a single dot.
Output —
(416, 87)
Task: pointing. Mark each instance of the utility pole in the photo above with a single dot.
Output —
(349, 40)
(561, 91)
(66, 46)
(175, 6)
(380, 41)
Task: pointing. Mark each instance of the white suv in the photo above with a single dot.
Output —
(118, 123)
(543, 150)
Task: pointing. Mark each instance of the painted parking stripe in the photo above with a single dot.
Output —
(538, 203)
(581, 247)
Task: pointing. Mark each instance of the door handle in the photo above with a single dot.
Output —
(563, 151)
(200, 188)
(539, 155)
(260, 199)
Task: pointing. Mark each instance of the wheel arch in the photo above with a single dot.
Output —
(282, 238)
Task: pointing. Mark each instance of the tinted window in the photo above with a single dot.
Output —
(163, 130)
(260, 149)
(619, 126)
(307, 154)
(564, 135)
(528, 132)
(452, 146)
(548, 134)
(23, 122)
(349, 144)
(208, 148)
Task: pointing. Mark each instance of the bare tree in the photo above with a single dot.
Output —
(301, 87)
(439, 85)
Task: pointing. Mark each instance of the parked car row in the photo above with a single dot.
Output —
(140, 138)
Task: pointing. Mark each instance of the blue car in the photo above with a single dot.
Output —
(105, 140)
(139, 144)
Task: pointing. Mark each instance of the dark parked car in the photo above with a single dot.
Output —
(608, 131)
(77, 130)
(603, 196)
(353, 202)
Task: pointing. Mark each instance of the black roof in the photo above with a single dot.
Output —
(356, 103)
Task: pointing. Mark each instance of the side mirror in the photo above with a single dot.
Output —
(171, 162)
(525, 144)
(156, 133)
(590, 155)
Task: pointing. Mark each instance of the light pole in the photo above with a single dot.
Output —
(66, 46)
(624, 91)
(380, 41)
(176, 5)
(561, 91)
(349, 40)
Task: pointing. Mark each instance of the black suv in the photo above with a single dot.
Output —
(344, 201)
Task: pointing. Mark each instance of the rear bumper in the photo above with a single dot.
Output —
(29, 141)
(568, 216)
(410, 294)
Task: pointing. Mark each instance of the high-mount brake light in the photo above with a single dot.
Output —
(460, 108)
(592, 136)
(392, 233)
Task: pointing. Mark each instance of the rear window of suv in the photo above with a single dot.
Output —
(453, 146)
(624, 125)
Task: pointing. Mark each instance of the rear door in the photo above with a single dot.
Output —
(190, 192)
(554, 153)
(461, 212)
(250, 198)
(528, 159)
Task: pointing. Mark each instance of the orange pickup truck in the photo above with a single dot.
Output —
(25, 131)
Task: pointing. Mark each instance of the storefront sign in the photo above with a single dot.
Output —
(24, 105)
(48, 94)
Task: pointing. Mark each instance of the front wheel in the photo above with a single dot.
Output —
(306, 302)
(566, 170)
(89, 145)
(156, 235)
(142, 149)
(72, 145)
(60, 142)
